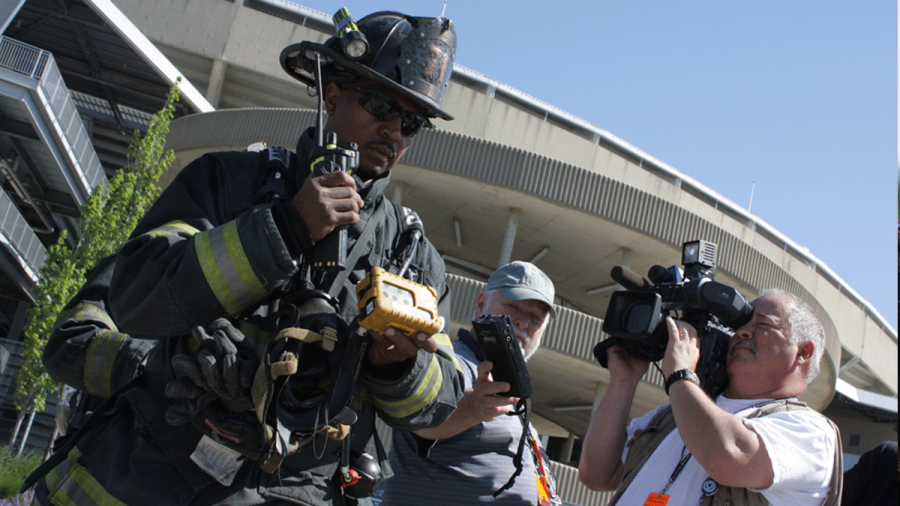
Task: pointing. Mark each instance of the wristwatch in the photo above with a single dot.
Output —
(683, 374)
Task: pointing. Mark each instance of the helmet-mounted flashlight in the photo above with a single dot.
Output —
(353, 42)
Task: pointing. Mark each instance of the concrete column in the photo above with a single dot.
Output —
(216, 79)
(566, 454)
(18, 320)
(397, 196)
(510, 238)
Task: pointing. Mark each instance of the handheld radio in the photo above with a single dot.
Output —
(330, 252)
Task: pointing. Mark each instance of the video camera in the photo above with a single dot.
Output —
(635, 318)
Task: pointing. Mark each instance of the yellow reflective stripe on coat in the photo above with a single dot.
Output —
(85, 312)
(99, 360)
(424, 395)
(174, 228)
(254, 333)
(71, 484)
(445, 349)
(227, 269)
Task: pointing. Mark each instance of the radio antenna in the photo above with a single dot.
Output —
(444, 9)
(320, 104)
(750, 205)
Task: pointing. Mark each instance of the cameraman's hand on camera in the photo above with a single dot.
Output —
(624, 366)
(394, 346)
(683, 349)
(223, 369)
(327, 201)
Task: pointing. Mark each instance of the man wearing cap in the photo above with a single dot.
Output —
(220, 266)
(468, 458)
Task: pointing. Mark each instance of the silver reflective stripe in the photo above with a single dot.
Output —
(424, 395)
(227, 269)
(99, 360)
(445, 349)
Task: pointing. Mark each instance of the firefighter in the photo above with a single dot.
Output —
(220, 268)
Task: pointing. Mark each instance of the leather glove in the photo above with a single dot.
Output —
(222, 369)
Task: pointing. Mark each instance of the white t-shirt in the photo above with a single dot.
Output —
(800, 444)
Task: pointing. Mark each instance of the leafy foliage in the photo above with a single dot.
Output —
(107, 219)
(15, 469)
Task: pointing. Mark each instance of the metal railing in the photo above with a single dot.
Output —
(39, 64)
(23, 58)
(571, 491)
(21, 239)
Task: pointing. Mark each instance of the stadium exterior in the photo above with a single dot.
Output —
(511, 178)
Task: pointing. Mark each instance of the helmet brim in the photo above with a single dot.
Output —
(298, 60)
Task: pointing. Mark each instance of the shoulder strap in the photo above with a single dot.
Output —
(276, 162)
(357, 250)
(642, 445)
(410, 225)
(466, 338)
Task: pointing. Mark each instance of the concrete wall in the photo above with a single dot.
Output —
(250, 40)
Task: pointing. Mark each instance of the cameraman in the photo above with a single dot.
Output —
(469, 457)
(754, 444)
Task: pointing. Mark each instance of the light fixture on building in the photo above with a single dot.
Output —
(457, 231)
(540, 254)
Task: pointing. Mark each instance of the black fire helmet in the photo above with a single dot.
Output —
(410, 55)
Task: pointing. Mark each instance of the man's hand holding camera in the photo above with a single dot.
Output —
(683, 349)
(625, 367)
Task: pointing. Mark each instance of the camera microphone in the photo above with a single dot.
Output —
(660, 274)
(629, 279)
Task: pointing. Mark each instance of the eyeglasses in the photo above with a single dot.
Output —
(385, 108)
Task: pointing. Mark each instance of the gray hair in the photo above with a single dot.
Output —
(803, 327)
(487, 299)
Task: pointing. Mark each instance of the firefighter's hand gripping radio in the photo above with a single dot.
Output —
(387, 300)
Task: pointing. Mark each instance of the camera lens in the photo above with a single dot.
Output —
(637, 317)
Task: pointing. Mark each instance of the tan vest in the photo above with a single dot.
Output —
(641, 446)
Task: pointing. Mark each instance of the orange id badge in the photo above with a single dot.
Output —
(656, 500)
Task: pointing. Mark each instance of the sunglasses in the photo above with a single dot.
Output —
(385, 108)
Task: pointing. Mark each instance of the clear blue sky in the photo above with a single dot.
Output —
(799, 97)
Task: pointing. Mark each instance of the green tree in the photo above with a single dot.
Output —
(107, 219)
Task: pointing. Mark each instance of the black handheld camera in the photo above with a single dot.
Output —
(635, 318)
(498, 340)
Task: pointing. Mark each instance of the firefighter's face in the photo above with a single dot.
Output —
(381, 143)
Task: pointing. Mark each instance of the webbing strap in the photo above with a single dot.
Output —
(356, 251)
(524, 408)
(104, 412)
